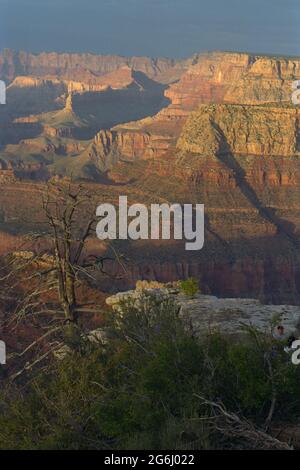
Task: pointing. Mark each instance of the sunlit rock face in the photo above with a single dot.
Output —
(240, 129)
(234, 78)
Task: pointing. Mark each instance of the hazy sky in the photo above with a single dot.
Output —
(173, 28)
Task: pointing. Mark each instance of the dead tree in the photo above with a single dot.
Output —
(70, 213)
(61, 206)
(241, 433)
(57, 269)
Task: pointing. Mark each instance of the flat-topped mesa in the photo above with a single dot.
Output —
(246, 130)
(118, 79)
(23, 81)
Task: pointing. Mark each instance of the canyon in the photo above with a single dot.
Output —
(219, 129)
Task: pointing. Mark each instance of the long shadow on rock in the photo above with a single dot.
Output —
(283, 227)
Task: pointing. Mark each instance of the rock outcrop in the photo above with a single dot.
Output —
(132, 144)
(246, 130)
(207, 313)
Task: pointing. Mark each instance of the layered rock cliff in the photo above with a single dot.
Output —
(247, 130)
(213, 78)
(235, 78)
(85, 67)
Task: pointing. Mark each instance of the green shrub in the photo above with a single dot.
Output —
(57, 409)
(190, 286)
(249, 370)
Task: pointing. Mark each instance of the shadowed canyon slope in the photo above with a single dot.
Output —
(218, 129)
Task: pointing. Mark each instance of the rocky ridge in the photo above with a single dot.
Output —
(85, 67)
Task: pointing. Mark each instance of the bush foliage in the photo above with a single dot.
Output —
(141, 391)
(189, 286)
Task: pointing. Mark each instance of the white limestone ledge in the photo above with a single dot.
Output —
(207, 313)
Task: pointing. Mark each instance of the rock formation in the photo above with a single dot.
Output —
(207, 313)
(214, 78)
(246, 130)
